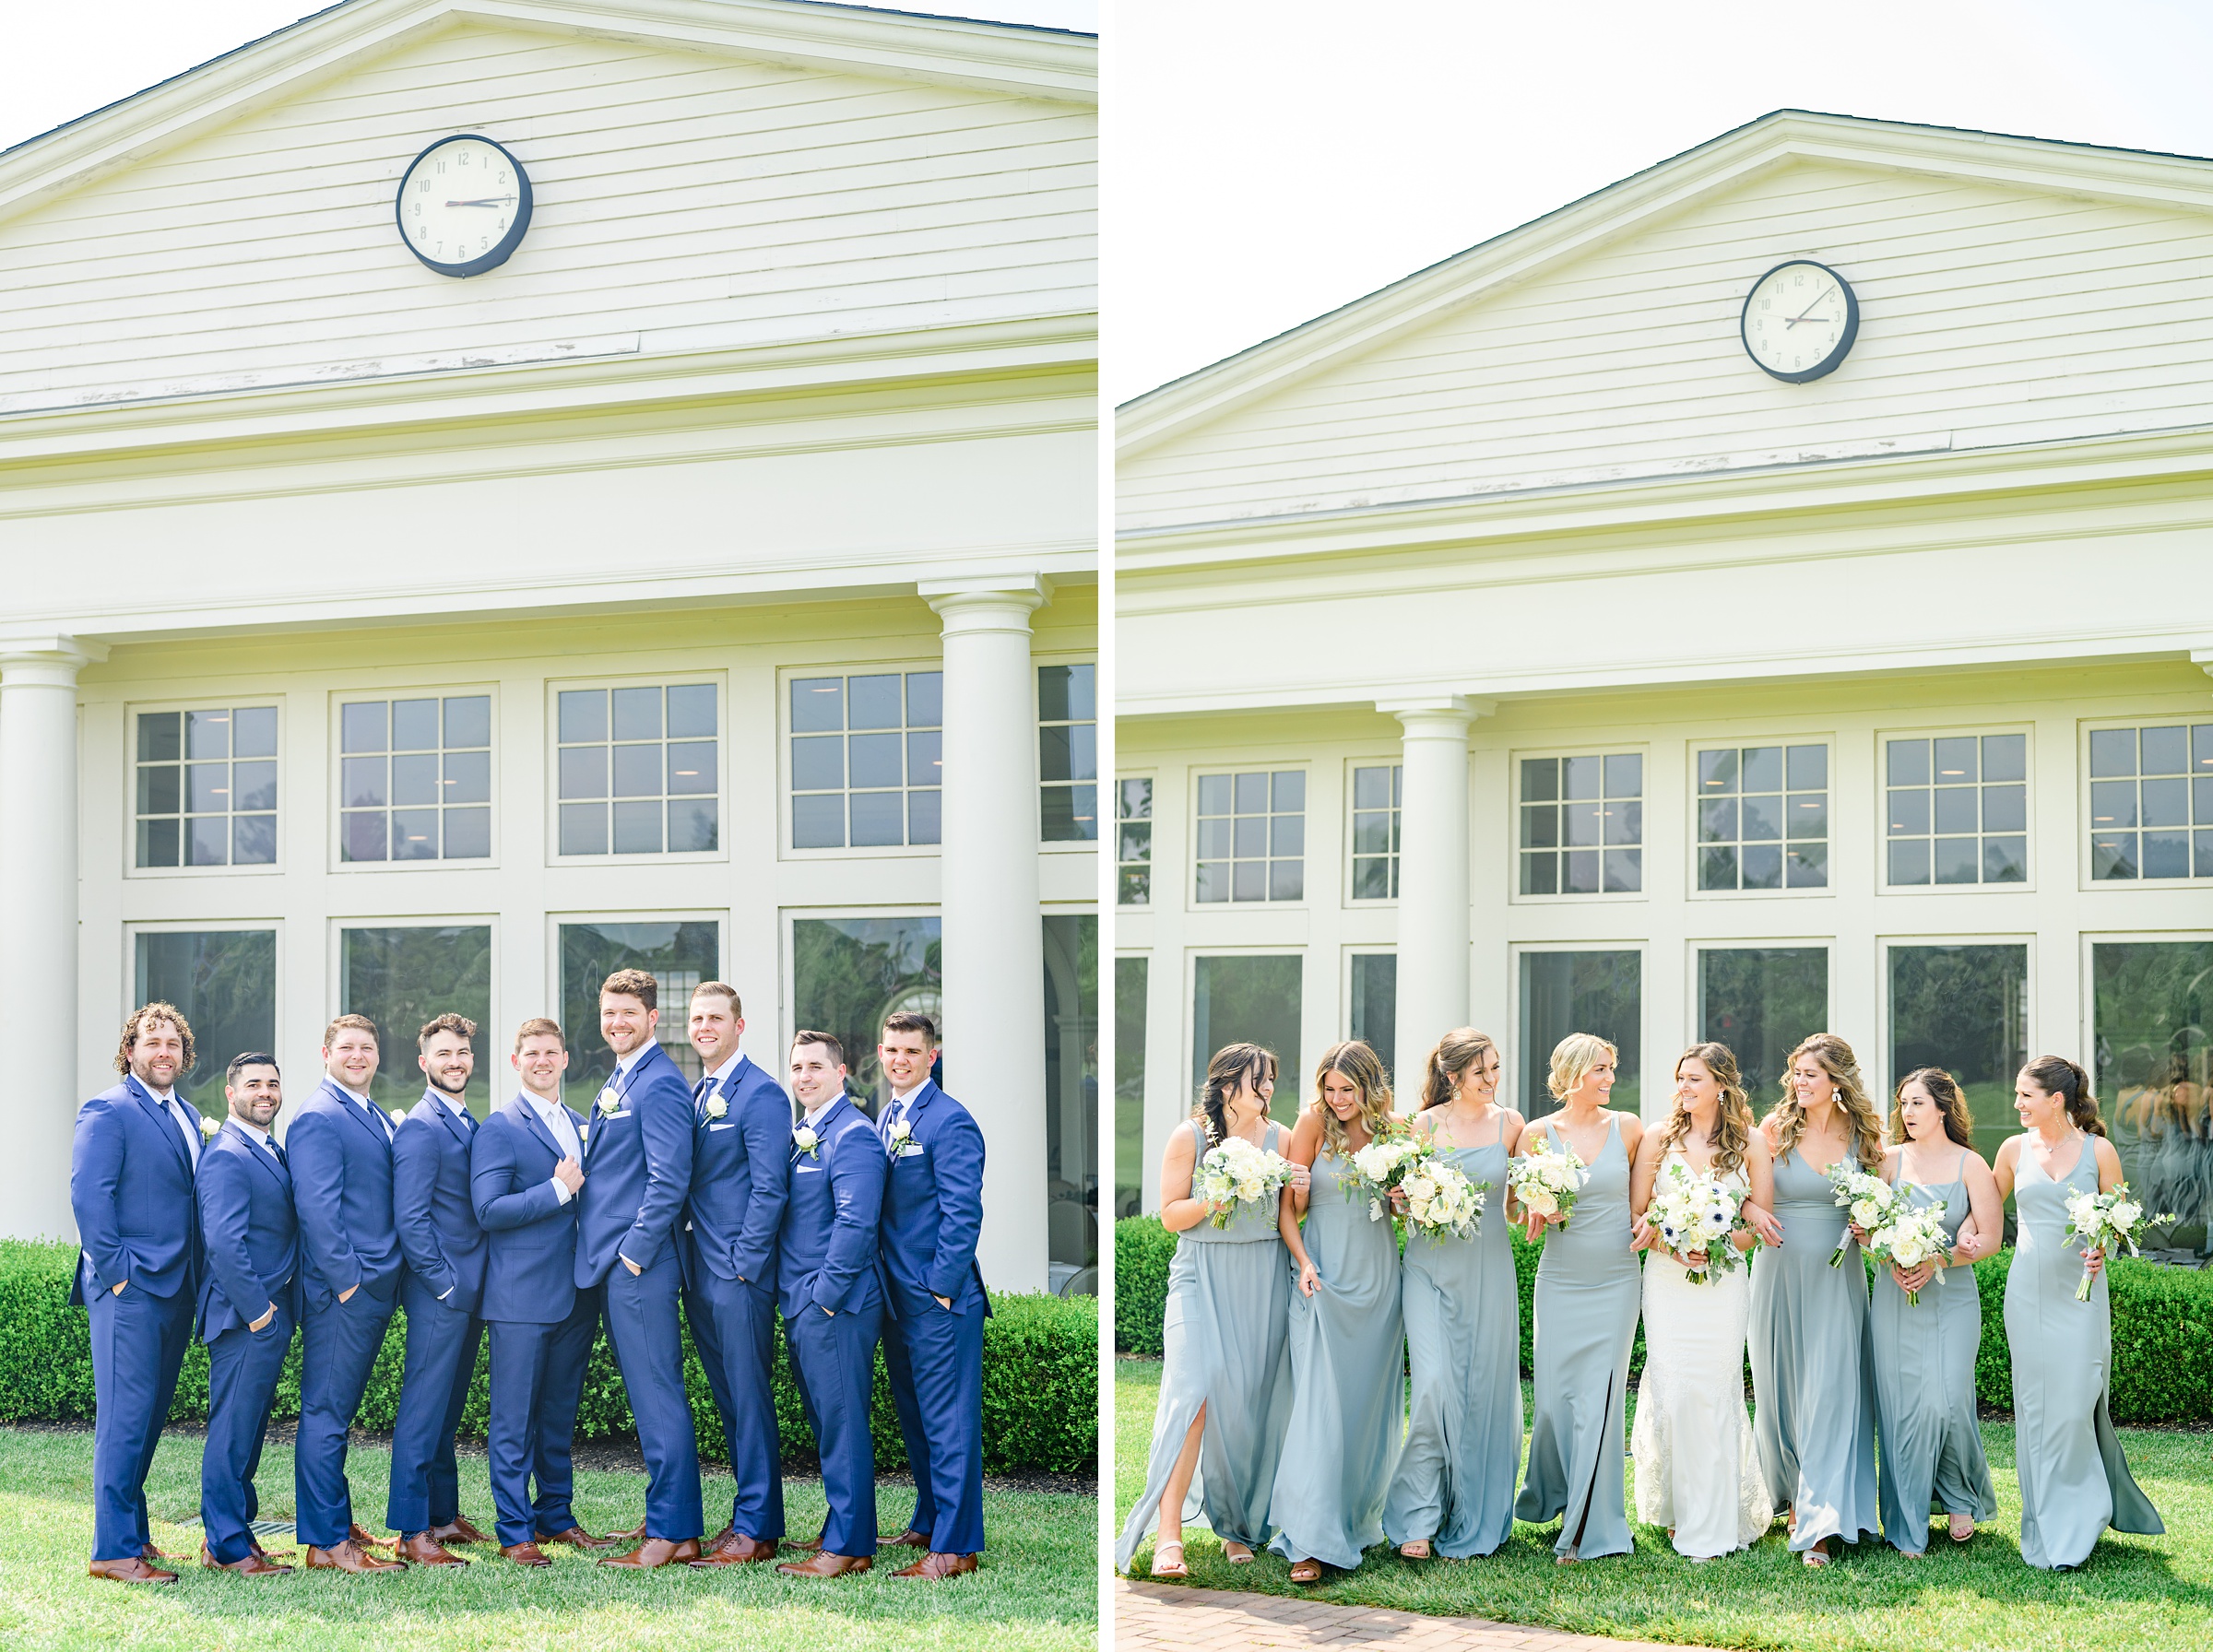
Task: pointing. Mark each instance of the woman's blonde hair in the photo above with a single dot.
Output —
(1357, 1062)
(1732, 1124)
(1572, 1059)
(1456, 1052)
(1842, 1067)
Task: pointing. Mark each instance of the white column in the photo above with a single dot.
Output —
(38, 927)
(1433, 878)
(994, 938)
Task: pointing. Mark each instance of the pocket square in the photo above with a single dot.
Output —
(727, 1123)
(809, 1170)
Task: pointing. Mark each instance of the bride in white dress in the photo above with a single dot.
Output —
(1697, 1471)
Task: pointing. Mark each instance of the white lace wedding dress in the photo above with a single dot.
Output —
(1697, 1469)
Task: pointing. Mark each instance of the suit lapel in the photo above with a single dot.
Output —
(260, 1155)
(454, 1128)
(162, 1122)
(354, 1111)
(527, 1116)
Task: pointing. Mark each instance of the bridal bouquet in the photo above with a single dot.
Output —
(1547, 1179)
(1909, 1235)
(1868, 1201)
(1386, 1163)
(1237, 1173)
(2107, 1222)
(1442, 1203)
(1696, 1212)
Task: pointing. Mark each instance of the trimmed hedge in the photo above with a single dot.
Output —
(2162, 1324)
(1041, 1376)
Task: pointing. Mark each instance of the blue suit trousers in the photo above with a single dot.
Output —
(537, 1381)
(242, 1368)
(833, 1356)
(139, 1344)
(935, 1361)
(734, 1327)
(339, 1343)
(643, 1324)
(433, 1387)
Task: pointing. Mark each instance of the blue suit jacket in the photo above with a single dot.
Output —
(431, 1206)
(130, 1189)
(637, 1170)
(530, 1234)
(827, 1245)
(250, 1231)
(738, 1165)
(933, 1208)
(342, 1188)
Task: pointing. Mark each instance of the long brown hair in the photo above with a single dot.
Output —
(1844, 1070)
(2055, 1075)
(1456, 1052)
(1359, 1063)
(1951, 1103)
(1732, 1136)
(1233, 1066)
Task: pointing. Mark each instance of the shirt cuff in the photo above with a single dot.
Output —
(560, 1191)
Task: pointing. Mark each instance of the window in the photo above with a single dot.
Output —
(1129, 983)
(207, 787)
(1600, 993)
(224, 982)
(415, 779)
(1376, 833)
(1252, 836)
(1958, 809)
(1964, 1009)
(638, 771)
(2152, 1008)
(1373, 1008)
(1250, 1000)
(1761, 1001)
(2148, 789)
(1582, 825)
(1134, 832)
(1068, 754)
(849, 973)
(679, 954)
(1071, 1102)
(400, 978)
(866, 760)
(1763, 817)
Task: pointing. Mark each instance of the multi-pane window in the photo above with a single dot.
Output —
(2152, 802)
(1252, 836)
(1375, 831)
(207, 787)
(1958, 809)
(1134, 832)
(415, 779)
(1582, 825)
(1068, 754)
(1763, 817)
(638, 770)
(867, 760)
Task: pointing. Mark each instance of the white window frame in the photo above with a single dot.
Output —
(1347, 953)
(784, 676)
(340, 700)
(1192, 776)
(334, 962)
(134, 928)
(555, 687)
(1885, 943)
(1513, 1056)
(2091, 939)
(1370, 902)
(1691, 752)
(1602, 897)
(1114, 867)
(1881, 805)
(201, 702)
(2083, 831)
(1102, 784)
(719, 916)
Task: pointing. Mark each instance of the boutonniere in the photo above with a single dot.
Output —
(207, 1126)
(608, 1103)
(397, 1114)
(903, 1139)
(716, 1106)
(807, 1141)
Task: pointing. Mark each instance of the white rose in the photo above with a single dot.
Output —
(716, 1107)
(2127, 1213)
(1540, 1199)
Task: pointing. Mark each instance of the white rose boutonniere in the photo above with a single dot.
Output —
(208, 1127)
(716, 1106)
(608, 1103)
(807, 1141)
(903, 1139)
(398, 1115)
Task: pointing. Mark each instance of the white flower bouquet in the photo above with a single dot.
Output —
(1868, 1201)
(1442, 1203)
(1384, 1164)
(1237, 1173)
(1696, 1212)
(1909, 1236)
(2108, 1223)
(1547, 1179)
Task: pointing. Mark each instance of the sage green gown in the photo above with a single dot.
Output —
(1223, 1346)
(2074, 1482)
(1932, 1456)
(1455, 1481)
(1813, 1370)
(1348, 1391)
(1588, 1296)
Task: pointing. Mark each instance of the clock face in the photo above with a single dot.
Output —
(463, 205)
(1800, 321)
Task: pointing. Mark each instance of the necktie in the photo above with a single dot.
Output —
(383, 1123)
(278, 1150)
(192, 1139)
(891, 1121)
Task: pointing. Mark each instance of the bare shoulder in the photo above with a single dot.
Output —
(1757, 1150)
(1771, 1130)
(1305, 1136)
(2109, 1157)
(1632, 1131)
(2009, 1153)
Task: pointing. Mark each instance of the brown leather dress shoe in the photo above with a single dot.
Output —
(154, 1557)
(905, 1540)
(458, 1530)
(737, 1550)
(130, 1568)
(653, 1552)
(420, 1548)
(812, 1545)
(935, 1567)
(349, 1556)
(254, 1565)
(819, 1564)
(359, 1534)
(254, 1543)
(523, 1554)
(575, 1537)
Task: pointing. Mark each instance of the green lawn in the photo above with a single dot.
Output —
(2152, 1594)
(1037, 1587)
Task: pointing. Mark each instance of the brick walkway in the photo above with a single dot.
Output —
(1150, 1615)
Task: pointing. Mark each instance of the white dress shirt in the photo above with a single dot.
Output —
(555, 1118)
(376, 1112)
(175, 1109)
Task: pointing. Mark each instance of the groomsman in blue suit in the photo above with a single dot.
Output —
(340, 1146)
(741, 1146)
(441, 1291)
(637, 1166)
(935, 1305)
(249, 1305)
(525, 1170)
(832, 1300)
(131, 1170)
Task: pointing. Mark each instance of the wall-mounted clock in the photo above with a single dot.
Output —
(1799, 322)
(463, 205)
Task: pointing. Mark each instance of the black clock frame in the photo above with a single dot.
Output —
(1829, 363)
(497, 254)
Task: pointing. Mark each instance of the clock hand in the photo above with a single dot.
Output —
(1793, 320)
(490, 201)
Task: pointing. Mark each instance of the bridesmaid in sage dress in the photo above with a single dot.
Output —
(1924, 1352)
(1454, 1492)
(1813, 1372)
(1587, 1297)
(2074, 1482)
(1226, 1375)
(1348, 1348)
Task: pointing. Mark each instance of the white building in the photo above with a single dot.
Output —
(707, 583)
(1510, 646)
